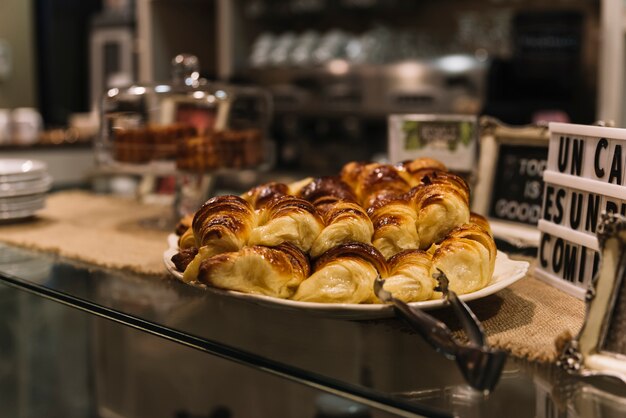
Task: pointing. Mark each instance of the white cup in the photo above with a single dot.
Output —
(26, 123)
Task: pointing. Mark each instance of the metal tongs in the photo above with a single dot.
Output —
(480, 364)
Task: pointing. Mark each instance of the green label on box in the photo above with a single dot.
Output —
(437, 134)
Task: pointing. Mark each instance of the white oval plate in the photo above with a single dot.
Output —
(506, 272)
(9, 204)
(26, 187)
(15, 169)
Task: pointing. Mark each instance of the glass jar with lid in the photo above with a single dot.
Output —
(189, 124)
(188, 129)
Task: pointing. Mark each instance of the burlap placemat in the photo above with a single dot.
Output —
(524, 319)
(107, 231)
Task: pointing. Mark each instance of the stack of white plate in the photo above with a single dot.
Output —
(23, 187)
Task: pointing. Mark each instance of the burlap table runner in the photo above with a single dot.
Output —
(524, 319)
(99, 229)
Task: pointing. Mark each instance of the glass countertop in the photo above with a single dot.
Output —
(381, 363)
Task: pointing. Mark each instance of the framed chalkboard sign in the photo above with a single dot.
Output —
(509, 188)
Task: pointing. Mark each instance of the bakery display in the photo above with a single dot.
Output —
(190, 150)
(327, 239)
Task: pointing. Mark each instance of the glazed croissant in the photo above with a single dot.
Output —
(410, 276)
(345, 274)
(441, 206)
(327, 186)
(260, 270)
(187, 240)
(261, 195)
(351, 173)
(414, 170)
(345, 222)
(222, 224)
(395, 226)
(467, 257)
(379, 182)
(287, 219)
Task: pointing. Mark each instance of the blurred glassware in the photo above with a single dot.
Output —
(301, 54)
(306, 6)
(261, 50)
(281, 50)
(332, 45)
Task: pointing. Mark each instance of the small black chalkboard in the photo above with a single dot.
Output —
(517, 191)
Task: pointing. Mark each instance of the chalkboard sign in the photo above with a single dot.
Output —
(518, 184)
(509, 187)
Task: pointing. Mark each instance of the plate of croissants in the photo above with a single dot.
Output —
(318, 244)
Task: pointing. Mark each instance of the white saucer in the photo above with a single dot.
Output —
(13, 169)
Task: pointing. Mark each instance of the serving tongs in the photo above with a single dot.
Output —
(480, 364)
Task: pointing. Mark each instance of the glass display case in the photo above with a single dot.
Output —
(379, 363)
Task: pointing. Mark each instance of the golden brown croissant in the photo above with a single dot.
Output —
(345, 222)
(329, 186)
(287, 219)
(182, 258)
(410, 276)
(481, 221)
(380, 182)
(467, 257)
(187, 240)
(260, 270)
(351, 173)
(184, 224)
(261, 195)
(413, 170)
(296, 186)
(395, 227)
(447, 178)
(222, 224)
(345, 274)
(441, 206)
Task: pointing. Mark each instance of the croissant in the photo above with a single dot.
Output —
(380, 182)
(182, 258)
(296, 186)
(344, 274)
(260, 195)
(184, 224)
(287, 219)
(345, 222)
(481, 221)
(260, 270)
(410, 276)
(395, 227)
(447, 178)
(467, 257)
(440, 207)
(221, 225)
(413, 170)
(351, 173)
(187, 240)
(330, 186)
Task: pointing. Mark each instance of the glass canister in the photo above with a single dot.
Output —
(188, 129)
(189, 124)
